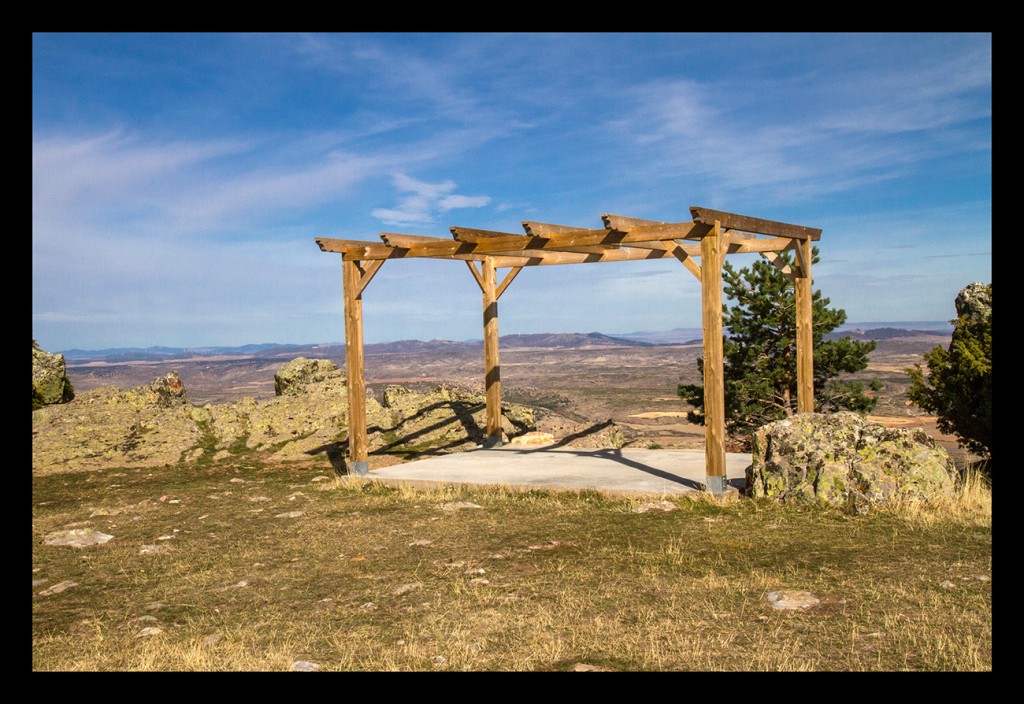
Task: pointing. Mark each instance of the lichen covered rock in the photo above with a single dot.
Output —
(154, 425)
(50, 383)
(844, 460)
(295, 376)
(975, 301)
(107, 427)
(167, 391)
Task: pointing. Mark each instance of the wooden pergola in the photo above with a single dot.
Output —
(708, 237)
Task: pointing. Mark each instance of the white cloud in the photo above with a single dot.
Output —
(424, 200)
(453, 202)
(843, 129)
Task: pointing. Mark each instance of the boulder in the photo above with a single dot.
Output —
(293, 378)
(49, 379)
(844, 460)
(975, 301)
(166, 391)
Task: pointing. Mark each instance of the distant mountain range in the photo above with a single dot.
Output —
(271, 350)
(858, 331)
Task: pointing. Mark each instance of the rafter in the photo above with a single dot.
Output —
(540, 229)
(756, 225)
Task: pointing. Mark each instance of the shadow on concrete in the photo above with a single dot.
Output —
(615, 456)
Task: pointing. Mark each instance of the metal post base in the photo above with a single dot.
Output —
(359, 469)
(491, 441)
(716, 485)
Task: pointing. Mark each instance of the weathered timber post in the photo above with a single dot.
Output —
(804, 331)
(714, 373)
(492, 366)
(355, 380)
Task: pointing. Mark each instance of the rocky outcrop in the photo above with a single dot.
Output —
(296, 375)
(975, 301)
(50, 383)
(154, 425)
(166, 392)
(844, 460)
(445, 417)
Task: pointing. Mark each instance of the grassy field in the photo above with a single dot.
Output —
(243, 566)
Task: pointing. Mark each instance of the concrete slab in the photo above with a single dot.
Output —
(621, 471)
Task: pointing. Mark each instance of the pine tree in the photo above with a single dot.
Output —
(759, 353)
(959, 384)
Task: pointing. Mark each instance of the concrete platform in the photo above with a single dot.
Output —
(621, 471)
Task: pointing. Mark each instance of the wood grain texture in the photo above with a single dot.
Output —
(492, 364)
(757, 225)
(714, 365)
(624, 223)
(509, 277)
(366, 274)
(476, 274)
(805, 332)
(354, 374)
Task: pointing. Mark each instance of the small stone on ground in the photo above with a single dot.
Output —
(77, 537)
(304, 666)
(405, 588)
(792, 599)
(655, 506)
(149, 549)
(58, 588)
(456, 505)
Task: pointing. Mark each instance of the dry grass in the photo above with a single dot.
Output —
(377, 578)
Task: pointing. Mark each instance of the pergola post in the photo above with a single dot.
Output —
(354, 376)
(804, 330)
(492, 366)
(714, 368)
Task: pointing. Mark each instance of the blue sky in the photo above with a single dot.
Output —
(179, 180)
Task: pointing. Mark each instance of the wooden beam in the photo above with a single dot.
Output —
(394, 239)
(539, 229)
(354, 374)
(335, 244)
(492, 366)
(687, 261)
(714, 365)
(531, 240)
(500, 289)
(749, 224)
(684, 253)
(509, 277)
(476, 274)
(369, 251)
(367, 273)
(803, 264)
(578, 238)
(759, 244)
(804, 332)
(779, 263)
(624, 223)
